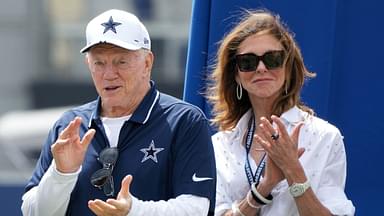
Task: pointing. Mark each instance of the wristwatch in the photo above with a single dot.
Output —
(297, 189)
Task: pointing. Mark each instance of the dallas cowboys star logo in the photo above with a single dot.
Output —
(110, 25)
(151, 152)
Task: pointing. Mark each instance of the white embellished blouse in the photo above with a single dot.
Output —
(324, 163)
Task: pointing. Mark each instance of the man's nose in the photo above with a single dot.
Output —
(110, 70)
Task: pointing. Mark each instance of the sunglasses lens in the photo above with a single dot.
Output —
(108, 187)
(109, 156)
(273, 59)
(247, 62)
(100, 177)
(103, 177)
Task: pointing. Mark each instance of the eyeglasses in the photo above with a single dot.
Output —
(248, 62)
(103, 178)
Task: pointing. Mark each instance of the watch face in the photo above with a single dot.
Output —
(297, 190)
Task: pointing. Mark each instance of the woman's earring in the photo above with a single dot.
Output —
(286, 88)
(239, 91)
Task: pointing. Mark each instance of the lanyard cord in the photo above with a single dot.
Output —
(252, 178)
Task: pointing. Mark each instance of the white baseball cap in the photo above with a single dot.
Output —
(119, 28)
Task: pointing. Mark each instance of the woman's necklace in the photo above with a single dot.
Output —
(258, 149)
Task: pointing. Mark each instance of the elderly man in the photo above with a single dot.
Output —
(131, 130)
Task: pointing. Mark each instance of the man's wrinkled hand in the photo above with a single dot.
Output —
(69, 149)
(116, 207)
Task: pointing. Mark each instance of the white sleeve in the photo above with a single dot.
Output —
(184, 204)
(51, 196)
(333, 181)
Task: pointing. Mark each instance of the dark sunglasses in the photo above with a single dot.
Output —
(103, 178)
(248, 62)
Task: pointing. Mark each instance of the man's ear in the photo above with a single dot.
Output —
(86, 61)
(149, 59)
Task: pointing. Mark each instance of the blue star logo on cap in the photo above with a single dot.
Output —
(110, 25)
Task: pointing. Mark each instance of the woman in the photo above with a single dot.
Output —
(274, 157)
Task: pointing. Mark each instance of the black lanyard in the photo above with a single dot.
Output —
(252, 178)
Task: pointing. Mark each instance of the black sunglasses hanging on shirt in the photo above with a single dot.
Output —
(103, 178)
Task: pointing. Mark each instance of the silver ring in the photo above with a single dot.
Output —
(275, 136)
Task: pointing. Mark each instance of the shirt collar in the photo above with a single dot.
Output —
(242, 125)
(142, 112)
(293, 116)
(96, 112)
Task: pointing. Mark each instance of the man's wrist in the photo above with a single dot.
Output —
(133, 208)
(62, 177)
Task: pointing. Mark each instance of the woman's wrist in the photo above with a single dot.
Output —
(295, 173)
(236, 209)
(258, 197)
(247, 206)
(265, 187)
(251, 201)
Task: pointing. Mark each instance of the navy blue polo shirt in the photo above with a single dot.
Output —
(165, 145)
